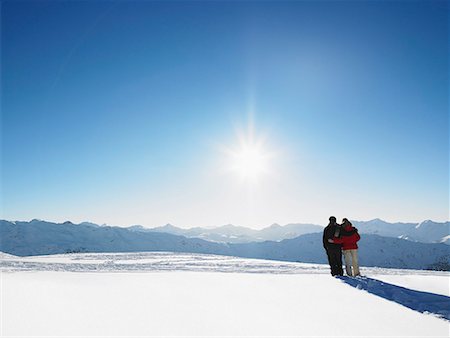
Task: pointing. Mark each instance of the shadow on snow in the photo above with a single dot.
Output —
(420, 301)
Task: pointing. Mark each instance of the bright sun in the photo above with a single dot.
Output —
(249, 161)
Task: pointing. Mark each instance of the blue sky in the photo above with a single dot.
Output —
(118, 112)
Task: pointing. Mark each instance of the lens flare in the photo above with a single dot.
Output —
(250, 159)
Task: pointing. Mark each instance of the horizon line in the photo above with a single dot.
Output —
(218, 226)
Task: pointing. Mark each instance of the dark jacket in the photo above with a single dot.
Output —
(330, 232)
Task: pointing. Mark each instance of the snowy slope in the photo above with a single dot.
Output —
(192, 295)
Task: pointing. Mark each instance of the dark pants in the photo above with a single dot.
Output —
(335, 261)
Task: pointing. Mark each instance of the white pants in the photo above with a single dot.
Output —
(351, 260)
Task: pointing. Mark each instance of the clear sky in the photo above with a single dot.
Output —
(209, 113)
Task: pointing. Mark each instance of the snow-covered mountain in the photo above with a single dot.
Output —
(237, 234)
(425, 232)
(277, 232)
(42, 238)
(223, 234)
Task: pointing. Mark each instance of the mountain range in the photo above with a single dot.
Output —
(41, 238)
(237, 234)
(425, 232)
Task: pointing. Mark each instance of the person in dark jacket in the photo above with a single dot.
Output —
(333, 250)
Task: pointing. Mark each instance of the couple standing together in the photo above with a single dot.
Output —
(338, 238)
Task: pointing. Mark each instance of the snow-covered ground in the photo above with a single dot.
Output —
(173, 294)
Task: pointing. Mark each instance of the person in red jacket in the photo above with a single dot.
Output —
(348, 239)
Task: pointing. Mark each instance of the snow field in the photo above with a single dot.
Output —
(304, 300)
(200, 304)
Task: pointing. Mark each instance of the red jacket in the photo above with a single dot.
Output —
(348, 242)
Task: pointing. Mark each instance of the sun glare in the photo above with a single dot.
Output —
(250, 159)
(249, 162)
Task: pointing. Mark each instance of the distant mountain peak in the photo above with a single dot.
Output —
(377, 220)
(86, 223)
(136, 227)
(427, 221)
(228, 226)
(168, 226)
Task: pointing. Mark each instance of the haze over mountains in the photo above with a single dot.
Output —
(294, 242)
(425, 232)
(237, 234)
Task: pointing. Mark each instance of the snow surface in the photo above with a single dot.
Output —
(173, 294)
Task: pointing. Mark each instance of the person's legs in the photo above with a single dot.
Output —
(330, 261)
(348, 262)
(355, 263)
(339, 262)
(336, 257)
